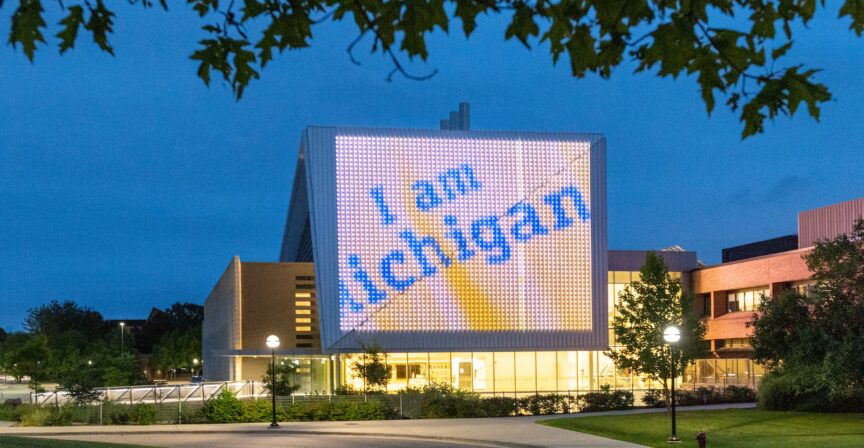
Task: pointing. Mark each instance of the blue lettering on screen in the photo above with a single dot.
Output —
(426, 199)
(556, 201)
(375, 295)
(387, 271)
(377, 194)
(486, 233)
(464, 253)
(530, 218)
(480, 230)
(346, 298)
(417, 246)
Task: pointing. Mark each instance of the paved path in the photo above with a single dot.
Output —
(268, 440)
(506, 432)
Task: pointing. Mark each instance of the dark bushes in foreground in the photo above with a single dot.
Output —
(780, 391)
(442, 401)
(702, 395)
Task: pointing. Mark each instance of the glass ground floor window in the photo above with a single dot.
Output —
(538, 372)
(500, 372)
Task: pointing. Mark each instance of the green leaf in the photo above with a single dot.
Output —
(523, 25)
(101, 24)
(467, 11)
(854, 9)
(70, 24)
(216, 55)
(203, 7)
(778, 52)
(26, 23)
(580, 47)
(243, 71)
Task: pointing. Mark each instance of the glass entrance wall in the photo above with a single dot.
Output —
(540, 372)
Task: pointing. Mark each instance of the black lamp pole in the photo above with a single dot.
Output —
(674, 437)
(273, 386)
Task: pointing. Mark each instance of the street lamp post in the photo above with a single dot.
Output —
(195, 364)
(672, 335)
(122, 337)
(273, 343)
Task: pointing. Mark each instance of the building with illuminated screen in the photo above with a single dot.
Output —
(473, 258)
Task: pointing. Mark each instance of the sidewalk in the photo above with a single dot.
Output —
(504, 431)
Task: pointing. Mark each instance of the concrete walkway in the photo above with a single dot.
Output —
(506, 431)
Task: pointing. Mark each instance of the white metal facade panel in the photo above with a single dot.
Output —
(319, 153)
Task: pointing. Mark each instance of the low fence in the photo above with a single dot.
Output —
(184, 404)
(183, 393)
(180, 409)
(244, 390)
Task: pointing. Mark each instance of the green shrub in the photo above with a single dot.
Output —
(64, 416)
(443, 401)
(12, 413)
(702, 395)
(784, 391)
(143, 414)
(297, 412)
(781, 392)
(499, 406)
(36, 416)
(605, 400)
(224, 408)
(193, 413)
(47, 416)
(331, 411)
(258, 411)
(654, 398)
(370, 410)
(547, 404)
(738, 394)
(116, 414)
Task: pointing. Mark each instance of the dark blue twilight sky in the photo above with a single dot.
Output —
(126, 184)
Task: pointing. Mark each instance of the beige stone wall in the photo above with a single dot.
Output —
(220, 332)
(269, 305)
(250, 302)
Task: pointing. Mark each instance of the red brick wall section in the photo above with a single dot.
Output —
(775, 268)
(776, 271)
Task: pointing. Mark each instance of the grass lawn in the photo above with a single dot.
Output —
(27, 442)
(727, 428)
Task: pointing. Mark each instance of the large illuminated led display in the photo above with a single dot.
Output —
(453, 239)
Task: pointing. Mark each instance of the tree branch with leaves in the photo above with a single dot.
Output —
(744, 64)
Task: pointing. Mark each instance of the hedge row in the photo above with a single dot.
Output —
(785, 391)
(227, 408)
(702, 395)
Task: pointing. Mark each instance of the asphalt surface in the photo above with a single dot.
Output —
(275, 440)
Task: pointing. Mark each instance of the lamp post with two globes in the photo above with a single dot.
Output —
(273, 344)
(672, 335)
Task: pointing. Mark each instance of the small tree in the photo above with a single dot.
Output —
(283, 378)
(80, 381)
(373, 369)
(816, 341)
(645, 308)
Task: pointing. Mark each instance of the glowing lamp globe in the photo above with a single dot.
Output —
(671, 334)
(272, 341)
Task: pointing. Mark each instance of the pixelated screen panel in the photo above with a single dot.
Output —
(440, 234)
